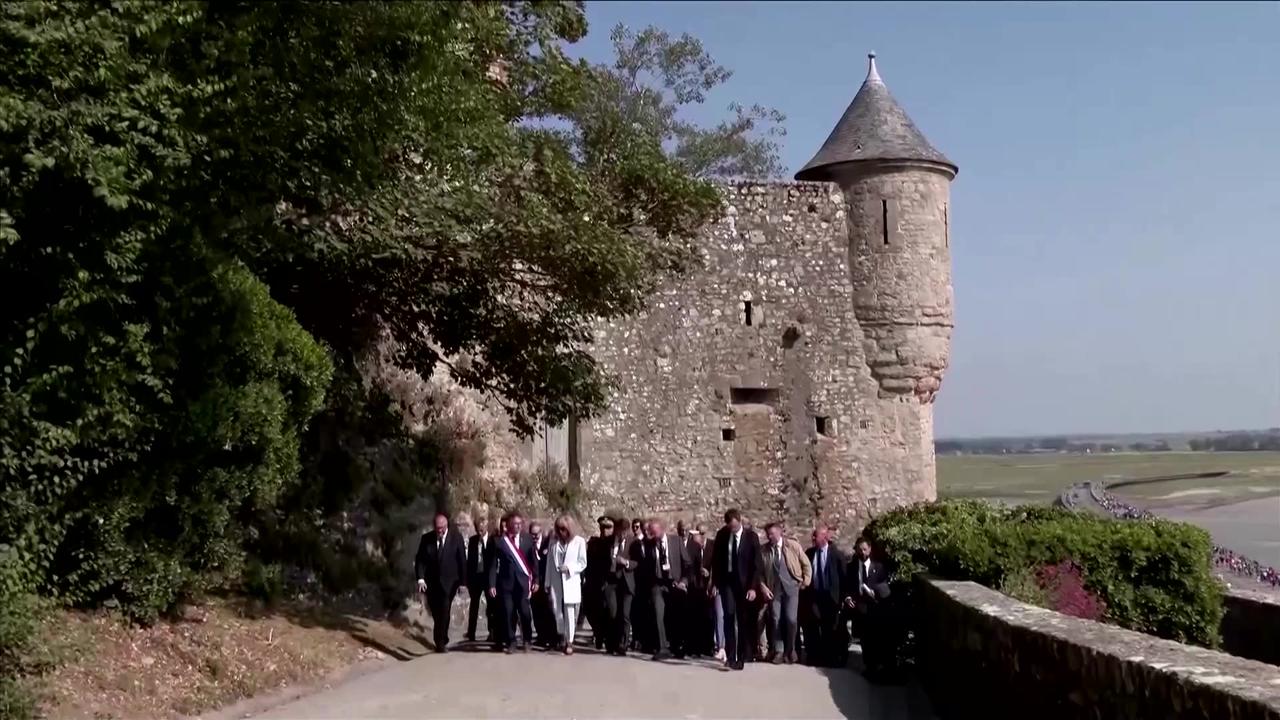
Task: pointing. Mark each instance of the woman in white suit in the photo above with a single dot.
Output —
(566, 559)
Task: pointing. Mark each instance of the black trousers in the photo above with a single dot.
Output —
(617, 600)
(740, 632)
(826, 642)
(515, 605)
(440, 603)
(473, 610)
(597, 613)
(700, 622)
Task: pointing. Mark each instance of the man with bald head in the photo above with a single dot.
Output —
(663, 575)
(824, 640)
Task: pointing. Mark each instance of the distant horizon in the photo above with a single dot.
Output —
(1099, 435)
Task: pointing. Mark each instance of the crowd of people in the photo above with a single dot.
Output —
(1224, 558)
(743, 595)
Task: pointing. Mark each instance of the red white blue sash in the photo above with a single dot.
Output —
(519, 557)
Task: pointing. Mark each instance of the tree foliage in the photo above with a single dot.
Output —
(652, 81)
(204, 207)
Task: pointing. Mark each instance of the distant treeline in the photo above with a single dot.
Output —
(1242, 441)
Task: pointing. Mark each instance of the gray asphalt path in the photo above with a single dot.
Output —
(483, 684)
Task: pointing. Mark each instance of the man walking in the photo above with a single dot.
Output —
(512, 581)
(593, 582)
(620, 588)
(441, 567)
(478, 578)
(824, 640)
(785, 572)
(697, 614)
(734, 576)
(869, 588)
(662, 576)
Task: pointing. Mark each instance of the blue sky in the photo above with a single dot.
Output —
(1116, 220)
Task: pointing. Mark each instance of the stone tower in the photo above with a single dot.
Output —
(897, 187)
(793, 375)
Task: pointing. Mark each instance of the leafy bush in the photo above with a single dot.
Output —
(19, 653)
(1153, 576)
(1057, 587)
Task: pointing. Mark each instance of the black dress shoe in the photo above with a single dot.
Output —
(660, 655)
(738, 666)
(507, 650)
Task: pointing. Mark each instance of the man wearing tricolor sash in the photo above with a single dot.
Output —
(512, 581)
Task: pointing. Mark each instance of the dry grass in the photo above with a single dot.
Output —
(218, 654)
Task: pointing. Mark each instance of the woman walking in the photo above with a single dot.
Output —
(566, 559)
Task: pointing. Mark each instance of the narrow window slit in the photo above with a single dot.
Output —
(884, 220)
(946, 227)
(746, 311)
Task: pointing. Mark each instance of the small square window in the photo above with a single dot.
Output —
(727, 434)
(725, 482)
(823, 425)
(864, 424)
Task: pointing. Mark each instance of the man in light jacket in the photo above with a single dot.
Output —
(784, 571)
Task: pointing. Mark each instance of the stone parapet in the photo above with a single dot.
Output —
(1251, 625)
(984, 654)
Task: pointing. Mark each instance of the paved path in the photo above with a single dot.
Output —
(477, 683)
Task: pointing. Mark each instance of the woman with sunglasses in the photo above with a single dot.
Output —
(566, 559)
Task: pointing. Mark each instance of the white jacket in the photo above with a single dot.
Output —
(565, 589)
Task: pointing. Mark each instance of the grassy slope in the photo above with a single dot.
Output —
(1039, 478)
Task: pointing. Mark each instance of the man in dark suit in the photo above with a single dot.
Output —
(512, 582)
(698, 617)
(663, 578)
(478, 577)
(620, 588)
(868, 589)
(734, 577)
(593, 581)
(441, 566)
(544, 621)
(824, 638)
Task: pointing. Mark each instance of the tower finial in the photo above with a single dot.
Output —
(872, 75)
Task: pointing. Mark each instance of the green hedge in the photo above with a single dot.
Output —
(1153, 575)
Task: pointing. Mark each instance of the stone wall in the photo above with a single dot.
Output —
(748, 384)
(984, 654)
(1251, 625)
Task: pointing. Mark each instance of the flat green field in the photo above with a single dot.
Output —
(1039, 478)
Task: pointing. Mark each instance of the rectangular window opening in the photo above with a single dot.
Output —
(823, 425)
(864, 424)
(727, 434)
(746, 312)
(725, 482)
(753, 396)
(884, 220)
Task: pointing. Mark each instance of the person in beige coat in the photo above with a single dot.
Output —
(784, 571)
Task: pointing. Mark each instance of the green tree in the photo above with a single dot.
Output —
(180, 181)
(655, 77)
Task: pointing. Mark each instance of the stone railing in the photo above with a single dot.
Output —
(984, 654)
(1251, 625)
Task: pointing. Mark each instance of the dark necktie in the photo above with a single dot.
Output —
(733, 553)
(662, 559)
(819, 576)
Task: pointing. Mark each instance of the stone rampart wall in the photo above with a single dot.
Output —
(984, 654)
(1251, 625)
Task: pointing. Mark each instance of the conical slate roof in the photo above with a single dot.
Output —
(874, 127)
